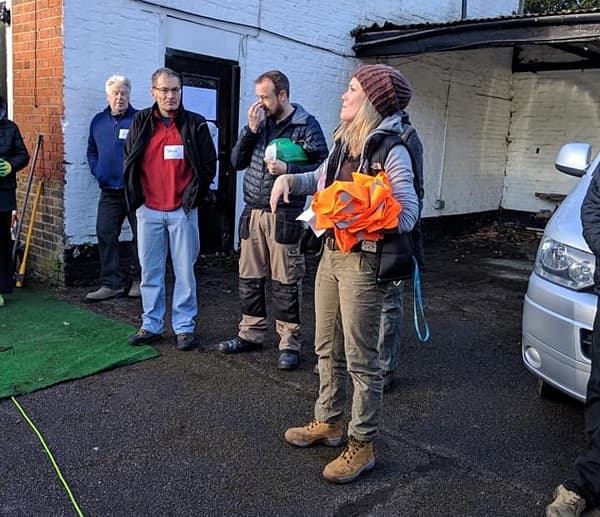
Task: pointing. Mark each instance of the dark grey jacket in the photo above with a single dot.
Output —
(590, 220)
(249, 152)
(12, 149)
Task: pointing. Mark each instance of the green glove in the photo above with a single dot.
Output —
(5, 168)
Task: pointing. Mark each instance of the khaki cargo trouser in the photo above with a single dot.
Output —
(348, 314)
(261, 257)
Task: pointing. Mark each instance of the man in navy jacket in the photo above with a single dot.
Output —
(108, 131)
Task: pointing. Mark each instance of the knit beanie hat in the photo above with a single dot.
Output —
(385, 87)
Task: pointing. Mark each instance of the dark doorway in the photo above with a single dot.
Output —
(211, 87)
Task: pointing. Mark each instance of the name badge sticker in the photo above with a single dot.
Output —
(123, 134)
(173, 152)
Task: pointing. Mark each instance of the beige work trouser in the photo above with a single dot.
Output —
(260, 257)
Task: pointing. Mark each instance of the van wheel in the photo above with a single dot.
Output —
(546, 391)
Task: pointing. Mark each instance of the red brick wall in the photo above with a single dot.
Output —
(38, 110)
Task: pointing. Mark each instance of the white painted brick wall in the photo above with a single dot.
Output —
(310, 41)
(550, 109)
(468, 176)
(485, 9)
(94, 50)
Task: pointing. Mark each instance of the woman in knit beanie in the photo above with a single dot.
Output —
(387, 89)
(387, 92)
(348, 300)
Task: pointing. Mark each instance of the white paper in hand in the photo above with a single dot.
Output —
(309, 217)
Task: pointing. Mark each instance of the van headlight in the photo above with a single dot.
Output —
(565, 265)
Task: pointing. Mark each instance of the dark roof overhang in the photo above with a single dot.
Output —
(573, 32)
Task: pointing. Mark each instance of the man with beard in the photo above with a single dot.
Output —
(270, 243)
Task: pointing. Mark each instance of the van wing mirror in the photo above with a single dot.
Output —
(574, 158)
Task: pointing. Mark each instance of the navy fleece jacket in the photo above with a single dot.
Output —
(105, 147)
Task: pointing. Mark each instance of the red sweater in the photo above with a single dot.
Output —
(166, 172)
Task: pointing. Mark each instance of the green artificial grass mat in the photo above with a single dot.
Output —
(44, 341)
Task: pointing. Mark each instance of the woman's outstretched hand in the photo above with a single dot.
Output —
(281, 189)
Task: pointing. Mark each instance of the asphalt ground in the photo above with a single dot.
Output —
(198, 433)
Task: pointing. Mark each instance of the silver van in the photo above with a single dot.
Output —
(560, 304)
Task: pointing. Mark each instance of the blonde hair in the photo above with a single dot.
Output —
(354, 133)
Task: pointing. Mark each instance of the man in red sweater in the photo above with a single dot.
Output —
(170, 162)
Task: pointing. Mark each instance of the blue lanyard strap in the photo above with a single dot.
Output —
(418, 309)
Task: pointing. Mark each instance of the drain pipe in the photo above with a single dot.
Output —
(439, 203)
(463, 14)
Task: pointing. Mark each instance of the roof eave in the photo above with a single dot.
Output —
(469, 35)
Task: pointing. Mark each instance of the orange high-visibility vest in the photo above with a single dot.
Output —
(356, 210)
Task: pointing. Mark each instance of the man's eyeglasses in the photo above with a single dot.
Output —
(165, 91)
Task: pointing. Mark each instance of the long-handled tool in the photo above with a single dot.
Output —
(20, 276)
(27, 190)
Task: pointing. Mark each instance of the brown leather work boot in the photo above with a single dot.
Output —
(316, 432)
(566, 503)
(357, 458)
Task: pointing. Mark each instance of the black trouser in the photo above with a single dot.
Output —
(112, 211)
(586, 480)
(6, 268)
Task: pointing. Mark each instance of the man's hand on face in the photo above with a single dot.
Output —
(255, 115)
(5, 168)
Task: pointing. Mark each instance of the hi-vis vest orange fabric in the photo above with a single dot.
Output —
(356, 210)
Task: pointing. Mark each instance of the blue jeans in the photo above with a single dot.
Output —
(178, 233)
(112, 211)
(390, 331)
(348, 314)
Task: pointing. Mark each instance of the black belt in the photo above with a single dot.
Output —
(330, 243)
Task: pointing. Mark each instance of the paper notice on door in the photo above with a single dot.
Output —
(201, 100)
